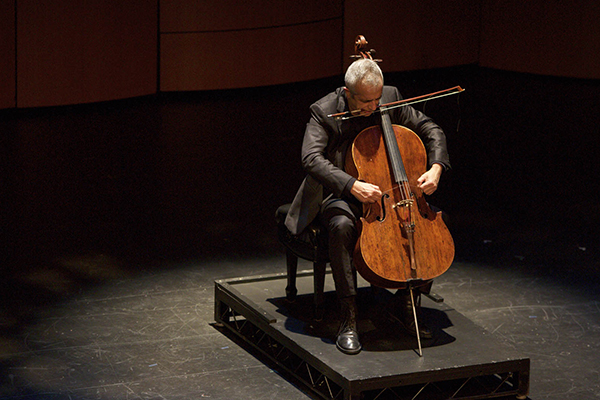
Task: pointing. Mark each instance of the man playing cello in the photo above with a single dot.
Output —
(334, 196)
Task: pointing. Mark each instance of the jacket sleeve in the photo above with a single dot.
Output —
(320, 137)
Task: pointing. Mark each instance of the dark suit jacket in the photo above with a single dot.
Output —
(327, 139)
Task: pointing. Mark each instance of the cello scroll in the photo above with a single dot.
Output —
(360, 49)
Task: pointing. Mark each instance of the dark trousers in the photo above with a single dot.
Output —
(339, 216)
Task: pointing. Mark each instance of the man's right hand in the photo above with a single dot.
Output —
(366, 192)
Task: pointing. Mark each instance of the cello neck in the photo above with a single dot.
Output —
(392, 148)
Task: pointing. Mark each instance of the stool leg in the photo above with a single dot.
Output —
(319, 289)
(292, 267)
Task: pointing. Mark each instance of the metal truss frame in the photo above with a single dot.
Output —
(252, 325)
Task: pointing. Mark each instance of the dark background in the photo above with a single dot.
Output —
(199, 174)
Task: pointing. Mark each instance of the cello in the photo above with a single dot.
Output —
(402, 242)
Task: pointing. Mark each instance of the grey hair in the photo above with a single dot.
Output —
(363, 71)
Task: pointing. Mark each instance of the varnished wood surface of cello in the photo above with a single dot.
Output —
(384, 254)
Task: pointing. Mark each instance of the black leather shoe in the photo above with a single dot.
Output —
(402, 311)
(409, 325)
(347, 341)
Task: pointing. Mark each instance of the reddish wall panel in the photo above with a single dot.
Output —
(203, 16)
(85, 51)
(415, 34)
(248, 58)
(7, 53)
(80, 51)
(543, 37)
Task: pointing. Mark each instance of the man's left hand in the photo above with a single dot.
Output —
(428, 182)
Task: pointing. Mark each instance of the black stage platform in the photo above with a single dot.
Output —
(462, 361)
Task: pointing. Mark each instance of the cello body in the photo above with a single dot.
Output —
(402, 241)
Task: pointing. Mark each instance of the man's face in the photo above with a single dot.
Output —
(365, 99)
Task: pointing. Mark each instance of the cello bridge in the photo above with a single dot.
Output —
(403, 203)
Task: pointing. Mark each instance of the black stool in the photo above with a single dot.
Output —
(310, 245)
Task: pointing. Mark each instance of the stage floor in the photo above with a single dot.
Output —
(103, 331)
(459, 352)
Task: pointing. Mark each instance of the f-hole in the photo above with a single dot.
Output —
(385, 196)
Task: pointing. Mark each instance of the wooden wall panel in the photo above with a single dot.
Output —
(415, 34)
(7, 53)
(249, 58)
(73, 52)
(549, 37)
(202, 16)
(81, 51)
